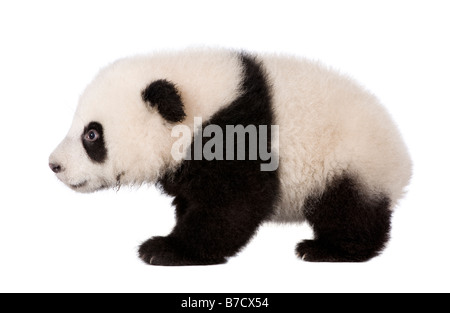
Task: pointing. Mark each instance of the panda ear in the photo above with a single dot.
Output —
(164, 95)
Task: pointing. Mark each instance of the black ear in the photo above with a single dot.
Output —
(163, 95)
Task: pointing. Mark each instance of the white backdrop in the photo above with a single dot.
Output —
(53, 239)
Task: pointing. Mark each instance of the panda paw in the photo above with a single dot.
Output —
(325, 251)
(159, 251)
(164, 251)
(315, 251)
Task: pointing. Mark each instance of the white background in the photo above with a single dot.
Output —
(53, 239)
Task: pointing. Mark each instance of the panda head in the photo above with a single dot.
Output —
(121, 131)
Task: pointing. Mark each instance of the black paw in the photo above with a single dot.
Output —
(324, 251)
(316, 251)
(165, 251)
(156, 251)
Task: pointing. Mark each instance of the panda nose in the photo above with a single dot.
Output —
(56, 168)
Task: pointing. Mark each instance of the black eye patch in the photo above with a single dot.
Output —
(95, 149)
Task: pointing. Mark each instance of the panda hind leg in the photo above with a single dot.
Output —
(349, 224)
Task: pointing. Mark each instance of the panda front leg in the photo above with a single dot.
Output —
(205, 235)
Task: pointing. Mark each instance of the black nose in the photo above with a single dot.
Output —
(56, 168)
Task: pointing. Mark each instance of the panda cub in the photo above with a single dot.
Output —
(239, 139)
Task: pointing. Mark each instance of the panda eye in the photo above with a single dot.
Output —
(91, 135)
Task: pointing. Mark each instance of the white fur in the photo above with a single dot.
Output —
(138, 139)
(328, 124)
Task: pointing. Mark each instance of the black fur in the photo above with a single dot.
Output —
(164, 95)
(96, 150)
(220, 204)
(350, 225)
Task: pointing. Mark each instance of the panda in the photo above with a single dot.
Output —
(338, 160)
